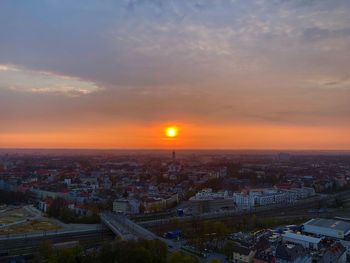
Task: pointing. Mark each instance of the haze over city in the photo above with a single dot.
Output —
(229, 74)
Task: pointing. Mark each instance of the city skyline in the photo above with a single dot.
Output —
(229, 74)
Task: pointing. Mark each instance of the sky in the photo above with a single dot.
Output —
(231, 74)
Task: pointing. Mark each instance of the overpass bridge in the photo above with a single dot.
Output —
(124, 227)
(127, 229)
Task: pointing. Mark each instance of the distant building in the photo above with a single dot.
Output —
(283, 157)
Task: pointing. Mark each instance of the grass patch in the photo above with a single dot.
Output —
(31, 226)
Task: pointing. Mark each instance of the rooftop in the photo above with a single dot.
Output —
(329, 223)
(302, 237)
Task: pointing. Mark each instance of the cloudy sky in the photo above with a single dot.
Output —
(272, 74)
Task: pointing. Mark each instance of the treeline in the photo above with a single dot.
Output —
(141, 251)
(58, 209)
(252, 222)
(9, 197)
(212, 234)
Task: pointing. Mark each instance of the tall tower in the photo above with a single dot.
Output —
(173, 156)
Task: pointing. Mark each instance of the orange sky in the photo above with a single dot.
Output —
(190, 136)
(231, 74)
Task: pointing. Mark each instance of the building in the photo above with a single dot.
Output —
(160, 202)
(262, 197)
(244, 200)
(126, 206)
(327, 227)
(302, 192)
(121, 206)
(43, 205)
(198, 206)
(42, 194)
(264, 257)
(336, 253)
(208, 193)
(346, 244)
(290, 253)
(242, 254)
(306, 241)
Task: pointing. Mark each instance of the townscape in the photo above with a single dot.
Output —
(229, 206)
(174, 131)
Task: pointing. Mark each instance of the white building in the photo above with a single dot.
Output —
(244, 200)
(327, 227)
(126, 206)
(306, 241)
(209, 194)
(303, 192)
(68, 181)
(261, 197)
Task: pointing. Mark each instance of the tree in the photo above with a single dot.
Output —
(45, 249)
(55, 208)
(141, 251)
(107, 254)
(138, 255)
(69, 255)
(158, 250)
(233, 170)
(254, 221)
(66, 215)
(142, 208)
(9, 197)
(125, 194)
(228, 249)
(179, 257)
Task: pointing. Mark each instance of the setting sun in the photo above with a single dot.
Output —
(171, 131)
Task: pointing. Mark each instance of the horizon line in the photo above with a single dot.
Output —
(174, 149)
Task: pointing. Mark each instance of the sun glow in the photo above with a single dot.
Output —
(171, 131)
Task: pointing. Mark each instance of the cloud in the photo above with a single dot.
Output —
(4, 67)
(146, 61)
(315, 33)
(24, 80)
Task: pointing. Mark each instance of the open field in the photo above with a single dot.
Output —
(15, 220)
(30, 226)
(14, 215)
